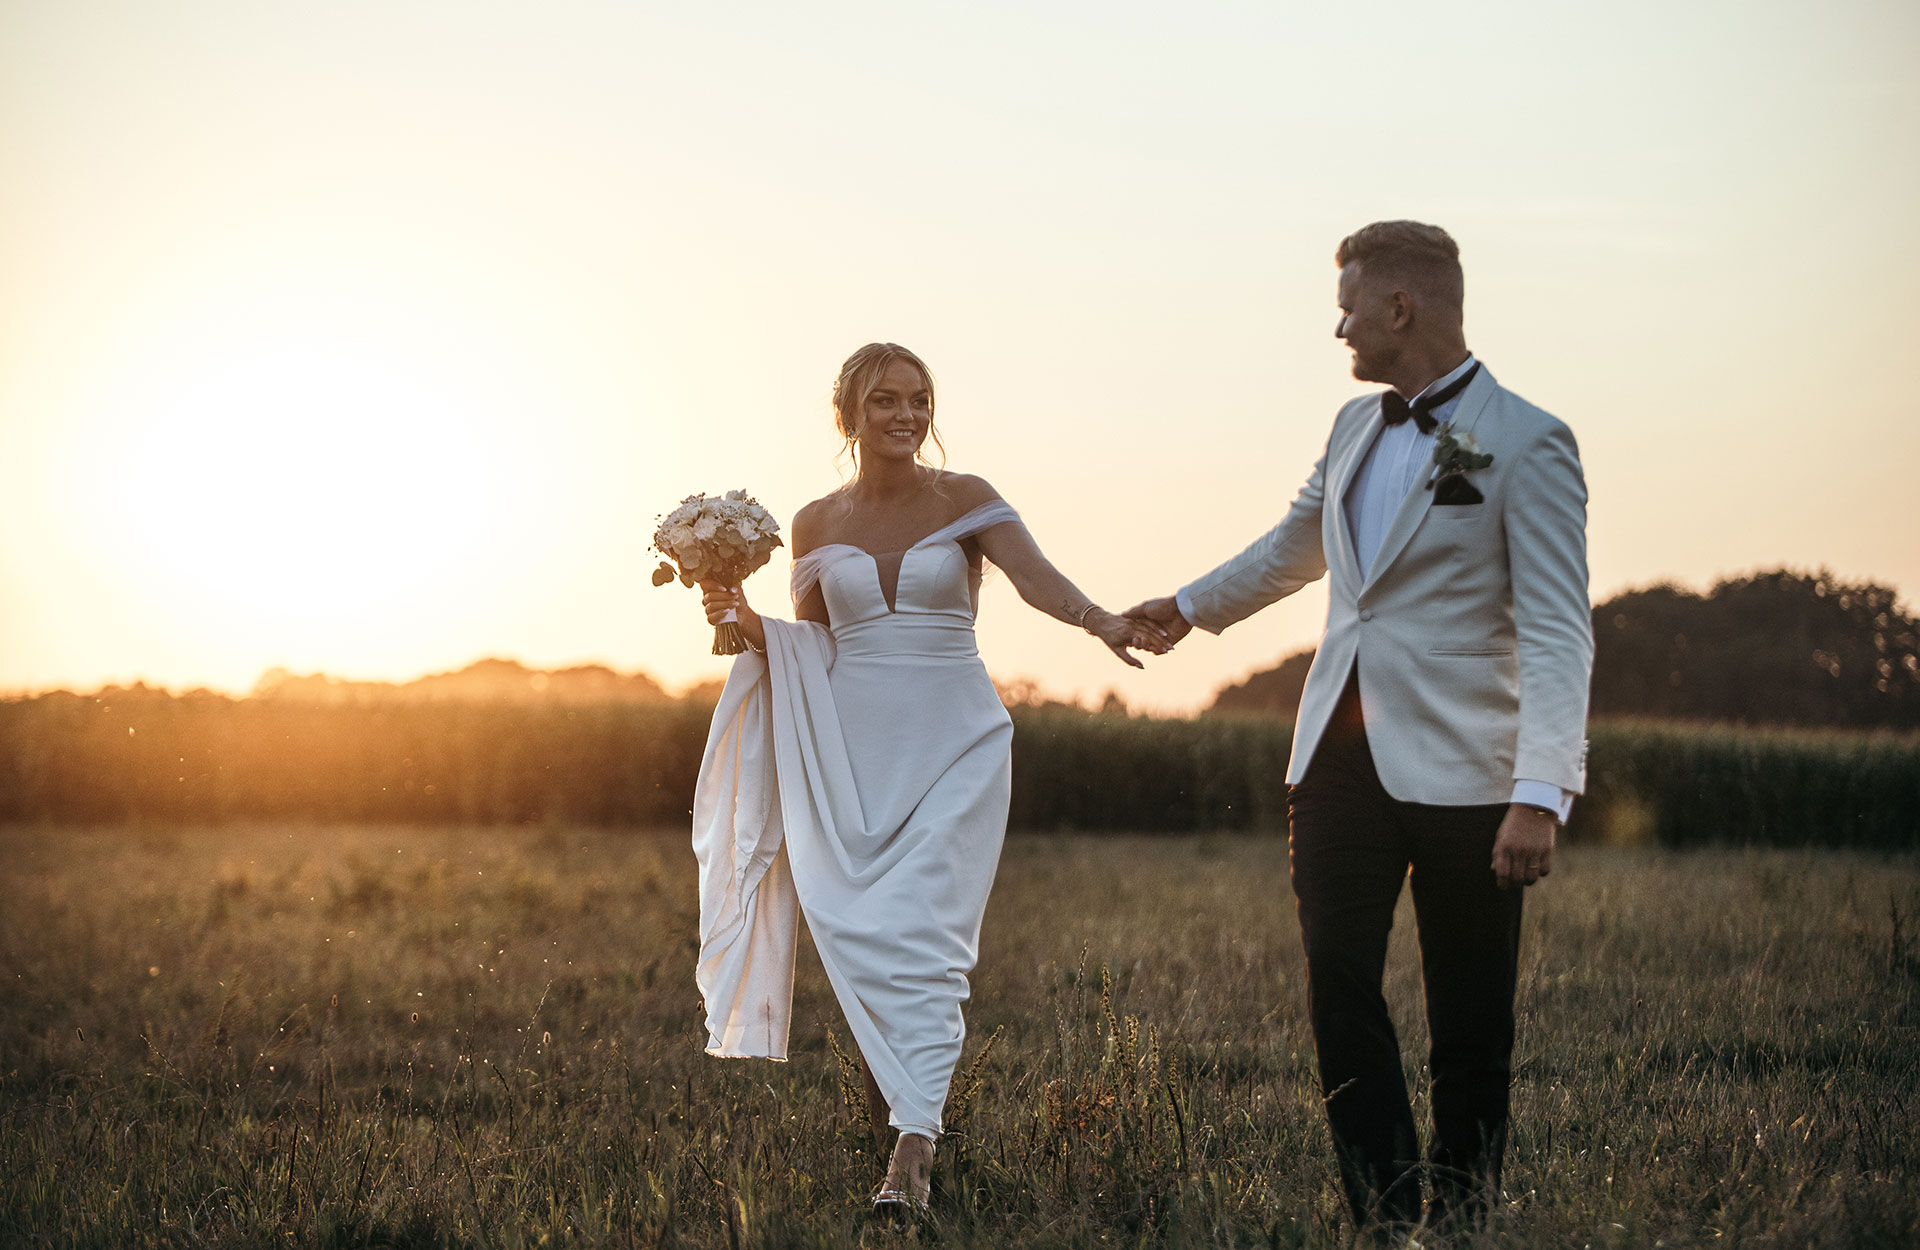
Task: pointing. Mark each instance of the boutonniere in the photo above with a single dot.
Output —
(1455, 455)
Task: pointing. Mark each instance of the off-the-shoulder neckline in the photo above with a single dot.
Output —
(923, 541)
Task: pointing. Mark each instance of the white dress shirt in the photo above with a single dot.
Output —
(1400, 459)
(1398, 462)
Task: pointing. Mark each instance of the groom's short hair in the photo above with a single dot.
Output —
(1422, 258)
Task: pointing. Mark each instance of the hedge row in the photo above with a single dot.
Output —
(74, 759)
(1689, 785)
(133, 757)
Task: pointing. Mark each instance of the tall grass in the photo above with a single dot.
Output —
(137, 757)
(147, 757)
(1689, 785)
(362, 1036)
(1074, 771)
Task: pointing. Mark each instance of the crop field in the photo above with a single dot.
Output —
(352, 1036)
(150, 758)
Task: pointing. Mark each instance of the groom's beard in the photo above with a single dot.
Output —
(1374, 367)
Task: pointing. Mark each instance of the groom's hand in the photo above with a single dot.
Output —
(1523, 849)
(1163, 616)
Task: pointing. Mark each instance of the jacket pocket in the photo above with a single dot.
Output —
(1469, 651)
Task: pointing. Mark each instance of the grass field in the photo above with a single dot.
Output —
(355, 1037)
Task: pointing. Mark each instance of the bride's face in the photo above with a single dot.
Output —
(897, 415)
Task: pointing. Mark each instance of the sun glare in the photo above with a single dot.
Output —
(297, 487)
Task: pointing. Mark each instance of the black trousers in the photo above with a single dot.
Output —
(1352, 847)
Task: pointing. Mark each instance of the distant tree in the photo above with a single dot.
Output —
(1270, 692)
(491, 680)
(705, 693)
(1776, 648)
(1024, 692)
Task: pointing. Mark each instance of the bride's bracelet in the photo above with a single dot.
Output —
(1091, 607)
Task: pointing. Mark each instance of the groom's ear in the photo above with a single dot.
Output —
(1400, 309)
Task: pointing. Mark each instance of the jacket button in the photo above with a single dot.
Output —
(1366, 614)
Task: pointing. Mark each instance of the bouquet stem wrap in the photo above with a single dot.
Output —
(727, 636)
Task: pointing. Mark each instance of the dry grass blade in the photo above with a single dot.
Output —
(1715, 1047)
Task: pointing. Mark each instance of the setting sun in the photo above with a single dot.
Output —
(295, 477)
(327, 344)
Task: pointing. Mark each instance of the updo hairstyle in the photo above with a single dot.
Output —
(858, 378)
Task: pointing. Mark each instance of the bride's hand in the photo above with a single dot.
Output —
(719, 600)
(1120, 633)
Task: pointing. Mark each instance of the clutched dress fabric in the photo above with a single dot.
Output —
(858, 775)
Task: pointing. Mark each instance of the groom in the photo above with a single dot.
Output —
(1440, 735)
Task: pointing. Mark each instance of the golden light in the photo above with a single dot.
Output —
(293, 481)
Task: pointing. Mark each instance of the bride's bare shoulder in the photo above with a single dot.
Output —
(814, 525)
(967, 491)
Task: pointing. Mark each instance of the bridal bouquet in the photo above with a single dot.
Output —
(716, 539)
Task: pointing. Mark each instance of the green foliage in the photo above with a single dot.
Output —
(1775, 648)
(342, 1036)
(145, 757)
(1778, 648)
(1273, 692)
(1682, 786)
(1077, 771)
(140, 756)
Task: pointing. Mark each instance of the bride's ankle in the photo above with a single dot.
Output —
(909, 1183)
(911, 1151)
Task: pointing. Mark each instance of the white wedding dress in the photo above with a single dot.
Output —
(859, 775)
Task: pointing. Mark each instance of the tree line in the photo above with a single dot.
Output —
(1774, 648)
(498, 744)
(151, 758)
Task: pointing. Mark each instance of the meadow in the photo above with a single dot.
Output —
(351, 1036)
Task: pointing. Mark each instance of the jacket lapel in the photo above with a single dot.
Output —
(1413, 509)
(1474, 400)
(1340, 480)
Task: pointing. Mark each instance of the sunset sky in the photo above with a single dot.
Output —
(373, 337)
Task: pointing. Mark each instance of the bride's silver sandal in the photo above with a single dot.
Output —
(898, 1205)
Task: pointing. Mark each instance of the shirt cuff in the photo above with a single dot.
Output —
(1181, 601)
(1544, 794)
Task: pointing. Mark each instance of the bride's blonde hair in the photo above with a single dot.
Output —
(858, 376)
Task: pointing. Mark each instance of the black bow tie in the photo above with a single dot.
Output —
(1396, 410)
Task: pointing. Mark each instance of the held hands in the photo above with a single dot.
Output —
(1121, 632)
(1152, 627)
(1523, 849)
(1162, 616)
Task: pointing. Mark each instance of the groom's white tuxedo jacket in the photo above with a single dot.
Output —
(1471, 629)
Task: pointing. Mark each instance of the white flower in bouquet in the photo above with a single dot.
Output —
(716, 539)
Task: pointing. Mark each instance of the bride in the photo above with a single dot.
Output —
(857, 770)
